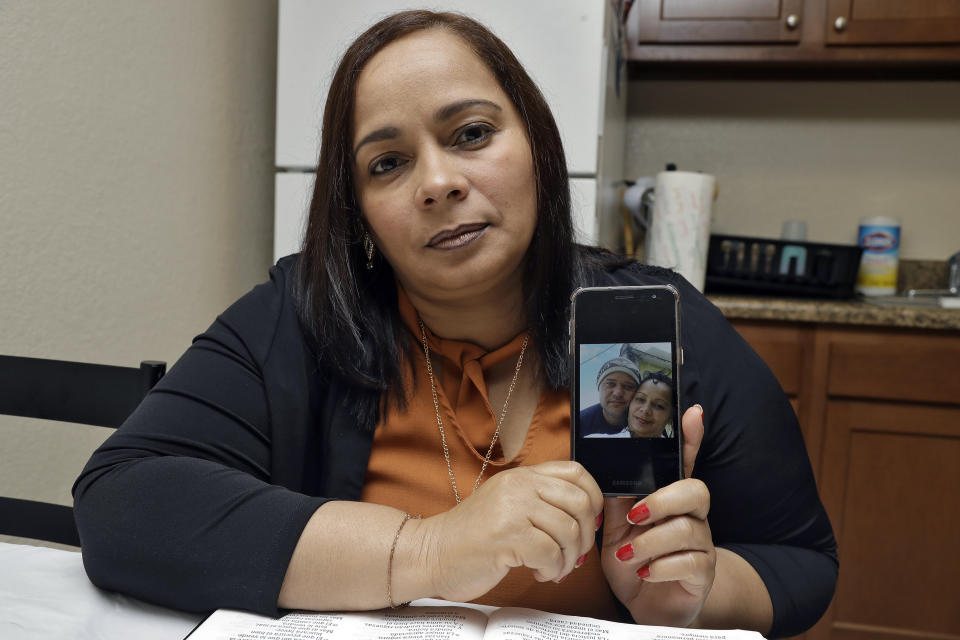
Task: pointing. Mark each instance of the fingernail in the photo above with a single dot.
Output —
(701, 412)
(559, 580)
(580, 561)
(638, 514)
(643, 572)
(625, 552)
(599, 521)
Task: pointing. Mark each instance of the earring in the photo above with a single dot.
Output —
(368, 248)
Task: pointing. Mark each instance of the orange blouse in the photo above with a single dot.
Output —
(407, 469)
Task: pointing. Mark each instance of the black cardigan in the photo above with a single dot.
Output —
(198, 500)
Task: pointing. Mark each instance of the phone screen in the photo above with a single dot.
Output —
(625, 403)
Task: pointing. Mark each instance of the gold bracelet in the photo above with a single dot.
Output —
(393, 549)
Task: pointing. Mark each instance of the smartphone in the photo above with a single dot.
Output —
(625, 360)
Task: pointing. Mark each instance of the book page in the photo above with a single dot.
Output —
(512, 623)
(410, 623)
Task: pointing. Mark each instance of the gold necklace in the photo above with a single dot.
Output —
(436, 408)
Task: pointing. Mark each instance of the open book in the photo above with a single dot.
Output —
(439, 620)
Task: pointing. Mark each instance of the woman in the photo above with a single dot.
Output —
(276, 464)
(651, 409)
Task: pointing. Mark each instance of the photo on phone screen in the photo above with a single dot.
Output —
(625, 402)
(626, 390)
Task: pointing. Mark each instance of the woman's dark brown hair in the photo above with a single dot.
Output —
(351, 312)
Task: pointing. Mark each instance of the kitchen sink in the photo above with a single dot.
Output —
(948, 298)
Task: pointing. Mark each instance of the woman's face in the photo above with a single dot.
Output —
(442, 168)
(649, 410)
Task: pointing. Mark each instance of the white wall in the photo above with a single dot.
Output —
(828, 152)
(136, 189)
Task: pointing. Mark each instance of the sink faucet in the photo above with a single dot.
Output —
(953, 267)
(953, 281)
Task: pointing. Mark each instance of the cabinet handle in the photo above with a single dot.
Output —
(840, 24)
(793, 21)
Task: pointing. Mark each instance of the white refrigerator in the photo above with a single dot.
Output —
(573, 49)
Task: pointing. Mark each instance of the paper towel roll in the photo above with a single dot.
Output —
(680, 229)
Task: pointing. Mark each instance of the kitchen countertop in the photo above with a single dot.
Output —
(849, 312)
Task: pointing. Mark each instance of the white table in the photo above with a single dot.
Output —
(45, 594)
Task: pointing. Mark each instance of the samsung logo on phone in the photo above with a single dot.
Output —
(627, 483)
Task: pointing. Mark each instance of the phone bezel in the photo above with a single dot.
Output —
(596, 444)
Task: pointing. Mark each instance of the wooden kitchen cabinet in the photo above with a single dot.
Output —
(794, 31)
(860, 22)
(786, 349)
(880, 412)
(889, 477)
(686, 21)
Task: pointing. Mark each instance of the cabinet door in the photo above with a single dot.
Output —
(858, 22)
(786, 349)
(726, 21)
(889, 481)
(910, 366)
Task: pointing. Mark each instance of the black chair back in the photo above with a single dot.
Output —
(78, 392)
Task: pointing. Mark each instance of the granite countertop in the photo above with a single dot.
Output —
(849, 312)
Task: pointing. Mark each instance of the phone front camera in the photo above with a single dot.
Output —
(653, 296)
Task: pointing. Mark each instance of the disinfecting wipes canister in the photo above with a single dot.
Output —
(880, 238)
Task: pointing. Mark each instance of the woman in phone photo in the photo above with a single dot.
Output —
(387, 417)
(651, 409)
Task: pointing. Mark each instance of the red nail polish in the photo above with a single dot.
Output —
(625, 552)
(638, 514)
(643, 572)
(580, 561)
(599, 520)
(559, 580)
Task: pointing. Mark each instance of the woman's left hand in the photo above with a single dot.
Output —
(662, 567)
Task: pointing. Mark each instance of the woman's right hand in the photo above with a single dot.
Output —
(543, 517)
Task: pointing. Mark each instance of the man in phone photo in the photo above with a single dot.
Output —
(617, 381)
